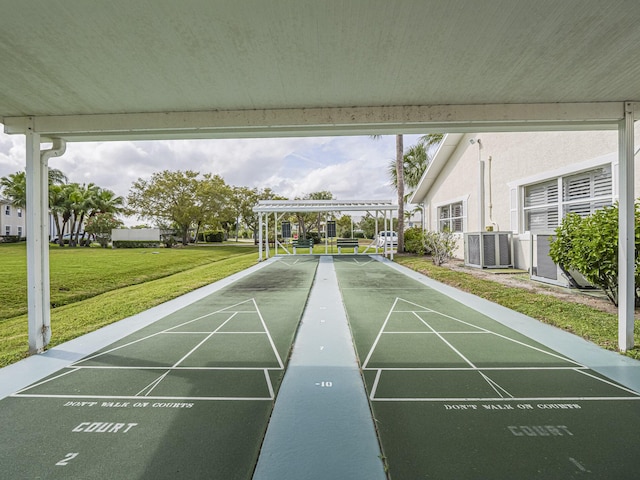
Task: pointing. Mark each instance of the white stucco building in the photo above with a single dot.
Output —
(12, 219)
(521, 184)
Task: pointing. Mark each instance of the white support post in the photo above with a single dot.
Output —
(37, 245)
(260, 237)
(386, 232)
(391, 229)
(266, 246)
(326, 233)
(376, 234)
(626, 226)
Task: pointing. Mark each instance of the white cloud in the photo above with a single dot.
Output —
(349, 167)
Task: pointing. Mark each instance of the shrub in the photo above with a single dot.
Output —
(101, 225)
(10, 238)
(590, 246)
(315, 236)
(414, 241)
(211, 236)
(134, 244)
(441, 246)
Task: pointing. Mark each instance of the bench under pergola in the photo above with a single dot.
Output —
(280, 208)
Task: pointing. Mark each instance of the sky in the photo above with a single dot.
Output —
(352, 168)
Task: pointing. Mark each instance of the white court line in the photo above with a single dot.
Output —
(552, 354)
(360, 264)
(431, 333)
(375, 385)
(463, 369)
(269, 385)
(205, 333)
(204, 340)
(264, 325)
(445, 341)
(501, 399)
(163, 331)
(289, 264)
(153, 384)
(375, 343)
(109, 367)
(149, 388)
(71, 370)
(130, 397)
(609, 382)
(497, 388)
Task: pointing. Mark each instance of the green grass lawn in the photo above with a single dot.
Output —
(594, 325)
(92, 287)
(81, 273)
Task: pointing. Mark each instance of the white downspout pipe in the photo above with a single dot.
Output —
(38, 280)
(626, 231)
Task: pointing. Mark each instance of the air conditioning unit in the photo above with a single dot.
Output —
(488, 250)
(543, 268)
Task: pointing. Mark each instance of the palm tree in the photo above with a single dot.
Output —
(56, 204)
(414, 163)
(14, 187)
(84, 204)
(399, 183)
(106, 201)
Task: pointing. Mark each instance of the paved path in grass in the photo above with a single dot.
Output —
(321, 427)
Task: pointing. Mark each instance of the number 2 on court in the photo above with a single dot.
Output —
(67, 458)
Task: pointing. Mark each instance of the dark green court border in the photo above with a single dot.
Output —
(128, 411)
(524, 412)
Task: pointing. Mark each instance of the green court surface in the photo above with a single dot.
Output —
(457, 395)
(189, 396)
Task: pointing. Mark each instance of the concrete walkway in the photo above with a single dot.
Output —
(321, 427)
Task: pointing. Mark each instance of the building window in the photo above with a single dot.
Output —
(7, 229)
(19, 213)
(7, 209)
(20, 232)
(451, 217)
(546, 203)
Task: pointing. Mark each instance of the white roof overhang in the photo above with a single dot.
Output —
(293, 206)
(448, 147)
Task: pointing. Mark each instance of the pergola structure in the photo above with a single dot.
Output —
(157, 69)
(279, 208)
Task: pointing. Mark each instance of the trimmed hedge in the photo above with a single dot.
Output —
(10, 238)
(134, 244)
(211, 236)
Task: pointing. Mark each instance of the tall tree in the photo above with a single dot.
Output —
(307, 220)
(416, 160)
(414, 163)
(106, 201)
(14, 185)
(399, 177)
(249, 199)
(168, 197)
(212, 203)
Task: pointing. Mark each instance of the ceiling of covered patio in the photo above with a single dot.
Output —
(205, 69)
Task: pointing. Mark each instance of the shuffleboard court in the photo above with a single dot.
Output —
(456, 394)
(188, 396)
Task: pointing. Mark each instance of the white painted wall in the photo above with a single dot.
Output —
(514, 157)
(135, 234)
